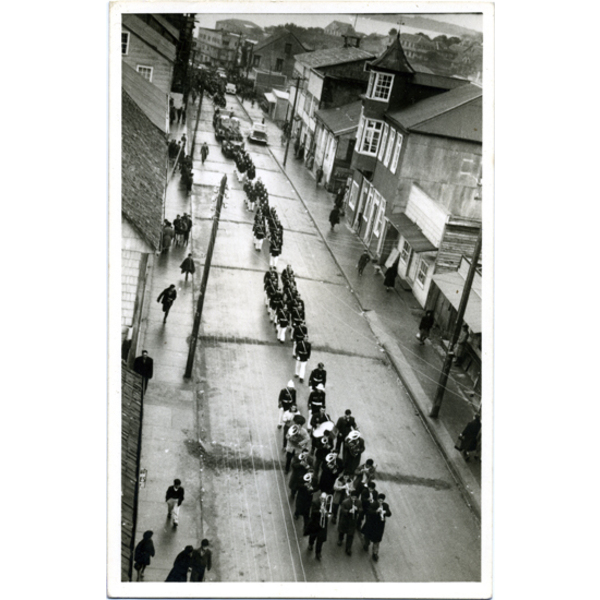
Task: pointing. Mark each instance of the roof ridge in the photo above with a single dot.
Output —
(451, 108)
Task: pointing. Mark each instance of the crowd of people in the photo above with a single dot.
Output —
(177, 232)
(327, 477)
(266, 221)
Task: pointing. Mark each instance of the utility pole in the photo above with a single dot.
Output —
(287, 147)
(439, 395)
(205, 272)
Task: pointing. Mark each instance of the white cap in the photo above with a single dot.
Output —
(290, 383)
(321, 387)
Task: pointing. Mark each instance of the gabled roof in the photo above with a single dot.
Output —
(393, 59)
(151, 37)
(168, 26)
(332, 56)
(273, 38)
(341, 119)
(454, 114)
(152, 100)
(143, 171)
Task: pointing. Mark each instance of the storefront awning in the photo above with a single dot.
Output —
(452, 285)
(411, 232)
(270, 98)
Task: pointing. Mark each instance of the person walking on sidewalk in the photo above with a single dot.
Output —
(188, 266)
(319, 176)
(201, 561)
(204, 151)
(469, 437)
(167, 296)
(167, 237)
(334, 217)
(174, 499)
(303, 350)
(363, 261)
(461, 345)
(181, 566)
(143, 365)
(425, 326)
(142, 554)
(287, 398)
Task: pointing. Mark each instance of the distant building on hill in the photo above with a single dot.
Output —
(339, 28)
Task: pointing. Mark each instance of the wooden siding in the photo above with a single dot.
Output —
(457, 241)
(139, 53)
(427, 214)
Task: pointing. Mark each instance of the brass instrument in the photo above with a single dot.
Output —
(353, 443)
(326, 508)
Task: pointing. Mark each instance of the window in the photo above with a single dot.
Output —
(361, 124)
(353, 195)
(145, 72)
(279, 65)
(369, 192)
(390, 147)
(288, 49)
(124, 42)
(386, 128)
(379, 218)
(256, 62)
(380, 86)
(371, 134)
(422, 272)
(396, 153)
(405, 252)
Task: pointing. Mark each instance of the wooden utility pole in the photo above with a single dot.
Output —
(287, 147)
(439, 395)
(203, 284)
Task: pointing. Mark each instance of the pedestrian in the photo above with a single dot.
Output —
(188, 266)
(354, 446)
(334, 217)
(317, 523)
(319, 176)
(204, 151)
(367, 496)
(288, 418)
(142, 554)
(332, 469)
(301, 464)
(374, 525)
(143, 365)
(275, 251)
(259, 236)
(179, 110)
(461, 344)
(283, 322)
(318, 377)
(316, 400)
(345, 424)
(390, 277)
(303, 350)
(174, 499)
(349, 519)
(425, 326)
(201, 561)
(177, 224)
(287, 398)
(188, 228)
(167, 237)
(365, 474)
(363, 261)
(469, 437)
(299, 329)
(168, 296)
(304, 496)
(181, 566)
(341, 490)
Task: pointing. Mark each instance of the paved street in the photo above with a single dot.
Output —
(223, 441)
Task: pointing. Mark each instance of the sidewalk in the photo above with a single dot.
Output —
(169, 404)
(394, 319)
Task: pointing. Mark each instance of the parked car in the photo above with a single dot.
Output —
(230, 88)
(258, 134)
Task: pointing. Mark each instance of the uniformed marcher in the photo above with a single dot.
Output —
(364, 474)
(349, 518)
(317, 523)
(341, 488)
(301, 464)
(297, 439)
(288, 419)
(343, 427)
(299, 329)
(304, 495)
(374, 526)
(354, 446)
(303, 349)
(282, 324)
(318, 376)
(316, 400)
(287, 397)
(332, 468)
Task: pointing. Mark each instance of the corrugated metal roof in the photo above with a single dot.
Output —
(411, 232)
(151, 99)
(150, 36)
(340, 119)
(143, 171)
(452, 285)
(332, 56)
(455, 114)
(131, 422)
(393, 59)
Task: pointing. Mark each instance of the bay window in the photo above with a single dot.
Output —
(396, 153)
(380, 86)
(371, 135)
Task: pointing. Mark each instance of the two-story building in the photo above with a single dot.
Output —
(414, 197)
(273, 61)
(217, 48)
(328, 78)
(149, 45)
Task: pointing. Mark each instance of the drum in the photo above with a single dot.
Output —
(319, 432)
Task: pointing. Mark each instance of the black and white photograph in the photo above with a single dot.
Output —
(301, 296)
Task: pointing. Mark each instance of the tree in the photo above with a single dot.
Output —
(393, 32)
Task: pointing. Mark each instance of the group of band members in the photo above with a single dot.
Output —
(286, 311)
(325, 482)
(266, 221)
